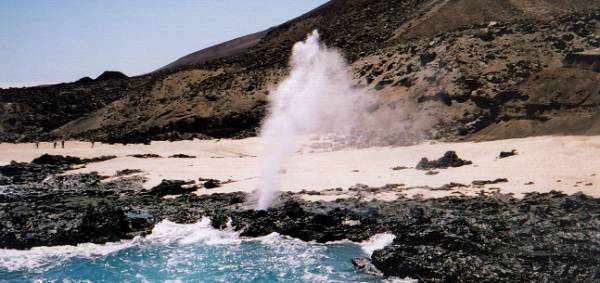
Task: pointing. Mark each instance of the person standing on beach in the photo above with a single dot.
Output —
(55, 144)
(37, 145)
(62, 144)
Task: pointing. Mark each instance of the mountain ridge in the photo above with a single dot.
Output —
(462, 66)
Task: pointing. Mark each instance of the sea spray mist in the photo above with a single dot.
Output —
(317, 97)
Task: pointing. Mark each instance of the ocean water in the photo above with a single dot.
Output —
(191, 253)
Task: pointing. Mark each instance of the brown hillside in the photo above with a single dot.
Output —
(464, 68)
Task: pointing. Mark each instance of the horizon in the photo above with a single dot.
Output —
(86, 39)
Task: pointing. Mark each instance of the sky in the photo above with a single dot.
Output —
(47, 41)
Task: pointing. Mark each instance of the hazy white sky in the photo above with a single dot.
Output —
(44, 41)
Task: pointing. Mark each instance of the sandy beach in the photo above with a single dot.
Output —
(570, 164)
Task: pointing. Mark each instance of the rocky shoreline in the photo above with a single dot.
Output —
(488, 238)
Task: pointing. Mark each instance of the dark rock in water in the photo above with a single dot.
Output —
(111, 75)
(450, 159)
(70, 220)
(505, 154)
(181, 155)
(364, 264)
(145, 155)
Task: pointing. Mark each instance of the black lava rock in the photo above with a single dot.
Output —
(505, 154)
(172, 187)
(450, 159)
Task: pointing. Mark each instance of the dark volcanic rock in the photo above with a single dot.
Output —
(427, 57)
(505, 154)
(363, 264)
(111, 75)
(145, 155)
(211, 183)
(85, 80)
(181, 155)
(126, 172)
(81, 219)
(481, 183)
(41, 167)
(172, 187)
(544, 237)
(499, 240)
(450, 159)
(59, 160)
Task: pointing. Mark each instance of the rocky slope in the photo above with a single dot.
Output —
(489, 238)
(460, 69)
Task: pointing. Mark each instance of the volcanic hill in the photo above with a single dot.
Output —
(462, 69)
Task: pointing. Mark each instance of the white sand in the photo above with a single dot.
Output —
(575, 161)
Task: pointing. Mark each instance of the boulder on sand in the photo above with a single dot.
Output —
(450, 159)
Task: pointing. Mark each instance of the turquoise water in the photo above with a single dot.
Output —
(187, 253)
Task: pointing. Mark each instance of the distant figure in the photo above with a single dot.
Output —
(55, 144)
(93, 142)
(37, 145)
(62, 144)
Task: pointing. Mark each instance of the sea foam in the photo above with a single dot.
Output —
(164, 233)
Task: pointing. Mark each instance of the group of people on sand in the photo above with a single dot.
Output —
(62, 144)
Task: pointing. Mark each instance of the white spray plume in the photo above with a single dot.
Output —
(317, 97)
(320, 97)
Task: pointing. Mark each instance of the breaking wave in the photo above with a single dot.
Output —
(187, 252)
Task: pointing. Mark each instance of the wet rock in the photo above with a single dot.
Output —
(363, 264)
(450, 159)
